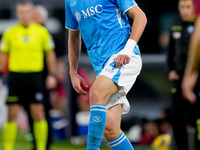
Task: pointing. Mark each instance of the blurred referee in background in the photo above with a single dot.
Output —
(180, 33)
(25, 44)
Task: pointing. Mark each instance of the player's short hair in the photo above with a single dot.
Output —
(43, 11)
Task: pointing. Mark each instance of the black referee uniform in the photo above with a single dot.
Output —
(180, 34)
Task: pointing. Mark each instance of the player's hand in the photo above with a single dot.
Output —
(51, 82)
(121, 60)
(76, 83)
(173, 76)
(188, 86)
(124, 56)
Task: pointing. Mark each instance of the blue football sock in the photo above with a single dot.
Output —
(96, 126)
(121, 143)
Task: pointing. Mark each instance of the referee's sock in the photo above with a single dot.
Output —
(9, 135)
(121, 143)
(40, 129)
(96, 126)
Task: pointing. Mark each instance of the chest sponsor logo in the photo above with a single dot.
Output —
(90, 11)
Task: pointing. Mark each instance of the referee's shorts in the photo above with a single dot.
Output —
(25, 88)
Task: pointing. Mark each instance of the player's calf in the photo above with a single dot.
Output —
(96, 127)
(121, 143)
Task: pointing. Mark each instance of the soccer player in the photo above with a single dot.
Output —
(180, 33)
(192, 72)
(26, 43)
(112, 47)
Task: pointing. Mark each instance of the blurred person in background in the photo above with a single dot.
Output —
(180, 33)
(40, 16)
(191, 76)
(27, 43)
(58, 96)
(149, 133)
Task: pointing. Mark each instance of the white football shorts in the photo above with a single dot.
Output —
(125, 77)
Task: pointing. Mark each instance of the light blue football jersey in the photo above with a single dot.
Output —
(104, 27)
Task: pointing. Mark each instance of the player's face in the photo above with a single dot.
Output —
(186, 9)
(24, 13)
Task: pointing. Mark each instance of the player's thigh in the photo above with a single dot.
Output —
(37, 111)
(13, 110)
(113, 123)
(102, 88)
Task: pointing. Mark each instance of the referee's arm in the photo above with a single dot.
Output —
(51, 64)
(3, 60)
(170, 53)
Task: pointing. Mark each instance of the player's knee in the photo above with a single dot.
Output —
(96, 96)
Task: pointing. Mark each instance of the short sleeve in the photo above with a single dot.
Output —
(4, 45)
(124, 5)
(70, 21)
(197, 4)
(48, 41)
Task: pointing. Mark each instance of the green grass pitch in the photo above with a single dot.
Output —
(23, 144)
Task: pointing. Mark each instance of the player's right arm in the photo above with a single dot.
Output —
(74, 49)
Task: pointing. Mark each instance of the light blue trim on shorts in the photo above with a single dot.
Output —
(116, 77)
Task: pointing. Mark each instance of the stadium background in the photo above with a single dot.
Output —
(151, 93)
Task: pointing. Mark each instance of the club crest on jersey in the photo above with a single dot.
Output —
(78, 16)
(90, 11)
(25, 38)
(73, 4)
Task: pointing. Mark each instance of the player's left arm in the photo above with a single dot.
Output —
(139, 22)
(138, 27)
